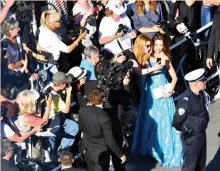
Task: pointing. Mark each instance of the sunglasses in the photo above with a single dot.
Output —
(147, 46)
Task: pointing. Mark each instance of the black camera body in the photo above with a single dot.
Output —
(122, 28)
(110, 74)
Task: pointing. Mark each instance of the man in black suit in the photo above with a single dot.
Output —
(98, 139)
(214, 48)
(214, 41)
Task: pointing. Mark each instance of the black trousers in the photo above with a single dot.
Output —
(194, 153)
(101, 165)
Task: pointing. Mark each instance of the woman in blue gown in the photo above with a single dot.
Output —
(154, 135)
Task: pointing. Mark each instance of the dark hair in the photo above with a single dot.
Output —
(66, 157)
(96, 96)
(24, 11)
(6, 146)
(164, 38)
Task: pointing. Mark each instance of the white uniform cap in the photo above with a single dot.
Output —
(196, 75)
(116, 7)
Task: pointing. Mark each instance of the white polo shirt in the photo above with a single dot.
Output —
(51, 42)
(109, 27)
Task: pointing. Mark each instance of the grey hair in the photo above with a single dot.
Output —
(6, 146)
(90, 50)
(8, 25)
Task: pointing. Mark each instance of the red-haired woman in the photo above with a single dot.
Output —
(154, 135)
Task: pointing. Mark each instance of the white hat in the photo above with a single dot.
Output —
(196, 75)
(76, 73)
(116, 7)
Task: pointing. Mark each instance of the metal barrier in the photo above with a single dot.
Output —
(196, 32)
(179, 67)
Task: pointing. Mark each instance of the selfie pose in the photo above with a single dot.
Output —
(154, 135)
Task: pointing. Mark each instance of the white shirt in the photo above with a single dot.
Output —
(108, 27)
(51, 42)
(6, 131)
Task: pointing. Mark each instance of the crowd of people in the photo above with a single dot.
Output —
(71, 71)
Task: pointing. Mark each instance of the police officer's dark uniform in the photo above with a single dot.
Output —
(191, 118)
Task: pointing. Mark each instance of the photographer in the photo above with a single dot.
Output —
(50, 41)
(60, 124)
(97, 134)
(116, 38)
(115, 82)
(87, 14)
(6, 154)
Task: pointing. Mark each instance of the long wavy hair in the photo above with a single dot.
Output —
(139, 49)
(164, 38)
(140, 6)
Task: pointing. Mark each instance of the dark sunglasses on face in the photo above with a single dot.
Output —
(147, 46)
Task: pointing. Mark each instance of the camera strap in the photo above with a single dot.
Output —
(119, 44)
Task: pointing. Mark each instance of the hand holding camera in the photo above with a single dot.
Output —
(120, 58)
(69, 89)
(156, 28)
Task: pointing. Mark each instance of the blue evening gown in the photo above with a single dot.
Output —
(154, 135)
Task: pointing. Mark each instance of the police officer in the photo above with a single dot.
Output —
(191, 118)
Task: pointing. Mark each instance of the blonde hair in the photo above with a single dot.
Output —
(25, 102)
(47, 16)
(139, 49)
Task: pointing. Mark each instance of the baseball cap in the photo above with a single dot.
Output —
(116, 7)
(61, 77)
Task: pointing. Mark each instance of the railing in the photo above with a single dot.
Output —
(179, 67)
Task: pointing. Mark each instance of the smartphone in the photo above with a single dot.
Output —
(158, 60)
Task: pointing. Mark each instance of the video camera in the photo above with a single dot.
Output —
(110, 74)
(177, 23)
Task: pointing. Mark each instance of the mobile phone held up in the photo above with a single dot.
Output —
(158, 60)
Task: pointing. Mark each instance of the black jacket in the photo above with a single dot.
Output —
(7, 165)
(191, 111)
(214, 39)
(97, 132)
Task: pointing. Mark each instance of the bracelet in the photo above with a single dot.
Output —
(47, 108)
(76, 43)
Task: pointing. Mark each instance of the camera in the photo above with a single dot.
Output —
(110, 74)
(122, 28)
(181, 27)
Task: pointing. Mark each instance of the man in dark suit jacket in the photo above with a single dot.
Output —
(96, 127)
(214, 41)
